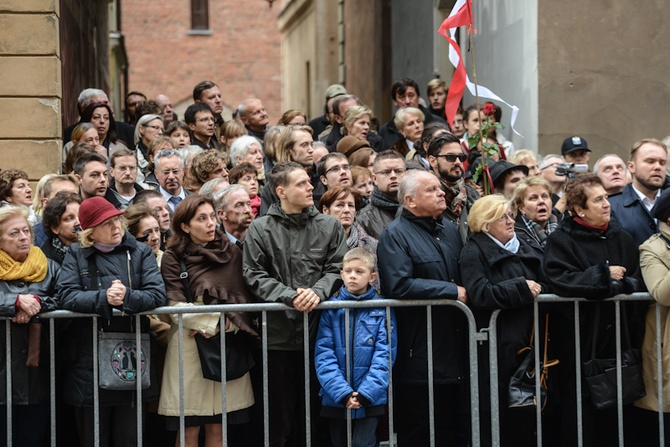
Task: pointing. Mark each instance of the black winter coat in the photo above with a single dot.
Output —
(145, 291)
(419, 260)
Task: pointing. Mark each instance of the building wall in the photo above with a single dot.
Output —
(30, 86)
(603, 71)
(309, 53)
(506, 60)
(241, 53)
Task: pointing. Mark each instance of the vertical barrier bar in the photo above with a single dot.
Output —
(389, 331)
(659, 375)
(538, 371)
(474, 375)
(266, 394)
(431, 385)
(96, 386)
(180, 336)
(52, 381)
(619, 378)
(578, 377)
(224, 379)
(8, 378)
(308, 410)
(493, 377)
(347, 368)
(138, 376)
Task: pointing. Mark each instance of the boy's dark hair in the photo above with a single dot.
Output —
(189, 115)
(85, 159)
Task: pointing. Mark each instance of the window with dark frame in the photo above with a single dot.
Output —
(199, 14)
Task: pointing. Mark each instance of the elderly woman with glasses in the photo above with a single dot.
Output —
(501, 271)
(148, 127)
(27, 287)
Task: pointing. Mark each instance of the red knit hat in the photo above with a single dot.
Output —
(94, 211)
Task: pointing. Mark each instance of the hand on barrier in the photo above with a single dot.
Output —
(535, 288)
(21, 317)
(116, 293)
(306, 300)
(29, 305)
(462, 295)
(617, 272)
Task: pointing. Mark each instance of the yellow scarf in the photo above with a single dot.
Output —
(33, 269)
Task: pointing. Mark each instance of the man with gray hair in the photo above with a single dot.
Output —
(421, 252)
(95, 95)
(169, 171)
(611, 169)
(233, 208)
(253, 115)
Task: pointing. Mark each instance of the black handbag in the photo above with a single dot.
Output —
(239, 359)
(521, 390)
(600, 374)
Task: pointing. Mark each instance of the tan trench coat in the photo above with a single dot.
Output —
(655, 266)
(202, 397)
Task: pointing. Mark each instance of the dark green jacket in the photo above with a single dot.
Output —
(283, 252)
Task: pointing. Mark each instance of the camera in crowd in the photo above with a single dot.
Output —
(571, 169)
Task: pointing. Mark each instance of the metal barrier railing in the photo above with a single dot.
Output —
(475, 337)
(548, 298)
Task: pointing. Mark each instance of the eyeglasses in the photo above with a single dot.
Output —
(389, 171)
(174, 171)
(156, 128)
(338, 168)
(504, 217)
(553, 165)
(451, 158)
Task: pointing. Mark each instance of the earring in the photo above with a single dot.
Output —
(582, 215)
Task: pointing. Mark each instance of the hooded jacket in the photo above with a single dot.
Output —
(370, 349)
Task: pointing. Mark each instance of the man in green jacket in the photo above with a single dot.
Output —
(293, 254)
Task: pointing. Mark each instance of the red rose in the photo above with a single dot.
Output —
(489, 109)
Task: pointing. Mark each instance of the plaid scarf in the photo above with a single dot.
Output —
(455, 195)
(537, 232)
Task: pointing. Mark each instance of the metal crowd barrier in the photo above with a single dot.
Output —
(549, 298)
(475, 337)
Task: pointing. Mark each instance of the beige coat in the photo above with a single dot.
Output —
(655, 264)
(202, 397)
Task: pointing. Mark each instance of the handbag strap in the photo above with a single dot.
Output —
(183, 275)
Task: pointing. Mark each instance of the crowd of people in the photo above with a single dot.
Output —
(154, 211)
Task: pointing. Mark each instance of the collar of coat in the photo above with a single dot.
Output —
(298, 219)
(426, 222)
(495, 253)
(569, 226)
(127, 243)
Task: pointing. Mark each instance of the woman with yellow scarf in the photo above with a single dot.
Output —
(27, 287)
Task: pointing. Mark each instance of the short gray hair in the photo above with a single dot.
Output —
(242, 108)
(86, 96)
(221, 196)
(545, 160)
(167, 153)
(210, 186)
(240, 147)
(597, 164)
(409, 184)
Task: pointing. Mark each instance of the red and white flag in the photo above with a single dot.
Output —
(461, 15)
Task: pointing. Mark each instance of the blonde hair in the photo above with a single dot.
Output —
(362, 254)
(286, 141)
(485, 211)
(403, 113)
(10, 212)
(522, 156)
(522, 187)
(85, 237)
(354, 114)
(38, 207)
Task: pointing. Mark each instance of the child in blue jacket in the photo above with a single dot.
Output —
(361, 385)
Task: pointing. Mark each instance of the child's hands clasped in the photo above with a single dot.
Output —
(353, 402)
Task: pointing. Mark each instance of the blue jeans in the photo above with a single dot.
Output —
(362, 431)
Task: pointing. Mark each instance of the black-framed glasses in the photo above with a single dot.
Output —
(451, 158)
(398, 171)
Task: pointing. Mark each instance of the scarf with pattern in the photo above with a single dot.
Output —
(455, 195)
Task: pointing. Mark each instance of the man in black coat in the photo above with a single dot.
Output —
(421, 254)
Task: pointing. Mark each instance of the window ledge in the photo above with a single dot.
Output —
(199, 32)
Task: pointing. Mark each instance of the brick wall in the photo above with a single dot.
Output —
(241, 54)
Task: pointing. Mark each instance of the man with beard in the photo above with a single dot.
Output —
(389, 169)
(233, 207)
(611, 169)
(169, 171)
(91, 173)
(446, 159)
(632, 207)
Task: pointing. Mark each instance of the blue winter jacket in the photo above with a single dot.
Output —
(369, 353)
